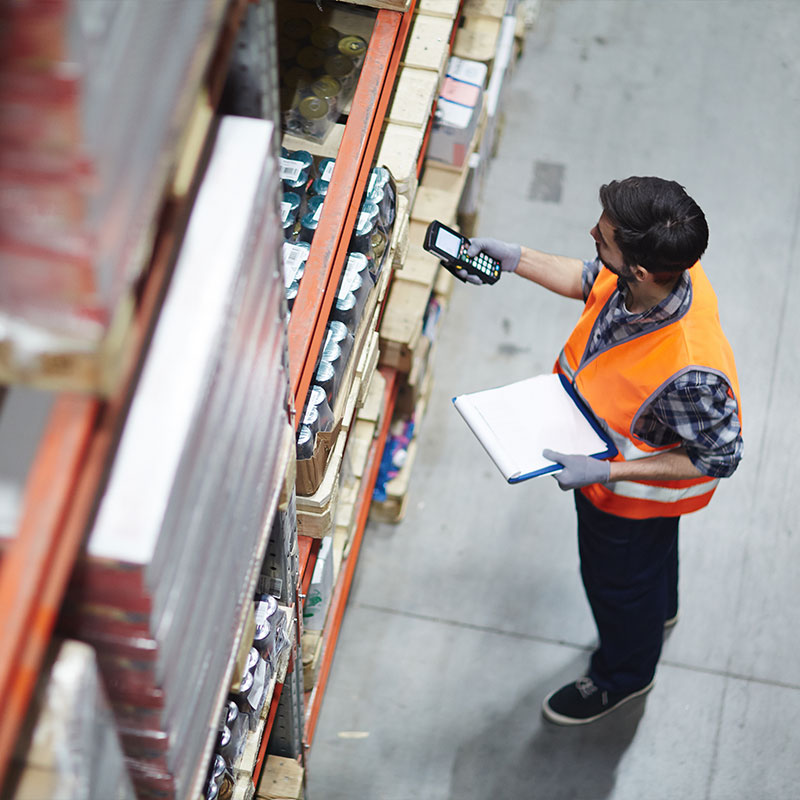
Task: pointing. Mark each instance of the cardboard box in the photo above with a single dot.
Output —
(458, 111)
(315, 609)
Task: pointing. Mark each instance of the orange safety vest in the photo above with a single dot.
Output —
(619, 382)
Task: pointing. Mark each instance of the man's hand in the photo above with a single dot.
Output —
(578, 470)
(507, 254)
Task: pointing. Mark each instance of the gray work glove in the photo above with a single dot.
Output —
(507, 254)
(578, 470)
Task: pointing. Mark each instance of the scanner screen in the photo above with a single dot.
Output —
(448, 242)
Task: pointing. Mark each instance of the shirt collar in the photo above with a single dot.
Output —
(672, 305)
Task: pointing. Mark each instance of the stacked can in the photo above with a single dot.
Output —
(320, 68)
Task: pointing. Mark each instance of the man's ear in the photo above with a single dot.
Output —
(641, 274)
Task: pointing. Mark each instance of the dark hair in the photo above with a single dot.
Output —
(658, 226)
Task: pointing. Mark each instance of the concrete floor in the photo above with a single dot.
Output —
(467, 613)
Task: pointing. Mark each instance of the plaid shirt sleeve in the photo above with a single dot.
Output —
(589, 275)
(697, 409)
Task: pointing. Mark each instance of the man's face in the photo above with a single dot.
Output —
(607, 250)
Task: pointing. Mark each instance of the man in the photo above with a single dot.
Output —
(649, 357)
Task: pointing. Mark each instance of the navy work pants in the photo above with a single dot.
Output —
(630, 572)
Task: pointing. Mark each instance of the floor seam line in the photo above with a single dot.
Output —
(574, 645)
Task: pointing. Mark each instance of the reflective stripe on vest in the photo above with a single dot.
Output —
(619, 382)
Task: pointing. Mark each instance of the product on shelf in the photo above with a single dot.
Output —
(319, 72)
(197, 472)
(458, 111)
(73, 752)
(91, 97)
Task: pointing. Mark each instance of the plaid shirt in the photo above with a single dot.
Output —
(695, 408)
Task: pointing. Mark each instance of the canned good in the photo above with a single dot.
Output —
(265, 609)
(325, 38)
(291, 293)
(310, 220)
(295, 81)
(325, 378)
(319, 187)
(364, 227)
(294, 257)
(217, 767)
(342, 68)
(224, 744)
(310, 58)
(379, 190)
(358, 264)
(296, 28)
(313, 114)
(305, 443)
(318, 400)
(333, 355)
(325, 169)
(287, 50)
(296, 169)
(337, 332)
(354, 47)
(240, 696)
(345, 310)
(327, 88)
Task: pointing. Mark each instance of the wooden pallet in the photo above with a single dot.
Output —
(414, 94)
(477, 38)
(282, 779)
(437, 198)
(439, 8)
(391, 5)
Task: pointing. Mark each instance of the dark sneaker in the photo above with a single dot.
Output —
(581, 702)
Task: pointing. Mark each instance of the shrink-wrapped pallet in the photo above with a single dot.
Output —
(93, 99)
(196, 477)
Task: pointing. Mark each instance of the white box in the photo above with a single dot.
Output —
(316, 605)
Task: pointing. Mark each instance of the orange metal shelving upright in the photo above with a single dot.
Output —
(318, 287)
(353, 162)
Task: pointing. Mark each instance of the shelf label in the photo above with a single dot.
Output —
(291, 169)
(294, 257)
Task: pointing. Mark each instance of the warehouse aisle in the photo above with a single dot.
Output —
(467, 613)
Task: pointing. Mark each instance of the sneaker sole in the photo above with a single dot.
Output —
(671, 622)
(560, 719)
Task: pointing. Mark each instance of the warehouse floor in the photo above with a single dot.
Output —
(465, 615)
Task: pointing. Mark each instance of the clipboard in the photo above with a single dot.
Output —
(515, 422)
